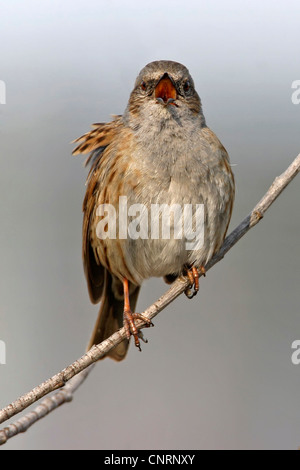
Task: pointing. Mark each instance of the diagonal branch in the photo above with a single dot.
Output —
(77, 372)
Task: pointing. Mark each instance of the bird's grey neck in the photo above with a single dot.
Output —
(164, 139)
(160, 125)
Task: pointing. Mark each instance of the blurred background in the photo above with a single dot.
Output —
(217, 371)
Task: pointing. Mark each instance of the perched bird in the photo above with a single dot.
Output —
(159, 153)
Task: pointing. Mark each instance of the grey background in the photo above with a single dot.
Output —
(217, 371)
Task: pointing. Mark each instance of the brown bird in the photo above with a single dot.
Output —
(159, 154)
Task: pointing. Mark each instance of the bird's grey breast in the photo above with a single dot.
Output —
(170, 154)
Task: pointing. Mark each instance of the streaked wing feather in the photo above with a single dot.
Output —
(94, 142)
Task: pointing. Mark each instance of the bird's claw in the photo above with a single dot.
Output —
(193, 275)
(131, 329)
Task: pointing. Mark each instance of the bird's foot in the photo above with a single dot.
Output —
(131, 329)
(193, 275)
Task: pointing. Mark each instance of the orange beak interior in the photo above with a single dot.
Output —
(165, 89)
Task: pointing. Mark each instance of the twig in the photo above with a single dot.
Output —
(49, 404)
(77, 372)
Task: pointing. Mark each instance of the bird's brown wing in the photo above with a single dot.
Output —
(94, 142)
(216, 145)
(99, 280)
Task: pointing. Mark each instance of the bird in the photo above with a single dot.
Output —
(159, 153)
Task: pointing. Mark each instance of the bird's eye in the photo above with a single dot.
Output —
(186, 86)
(143, 86)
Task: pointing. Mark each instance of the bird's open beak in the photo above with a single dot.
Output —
(165, 91)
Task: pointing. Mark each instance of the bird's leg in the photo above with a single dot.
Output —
(193, 275)
(129, 318)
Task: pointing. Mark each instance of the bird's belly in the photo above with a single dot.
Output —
(169, 235)
(157, 258)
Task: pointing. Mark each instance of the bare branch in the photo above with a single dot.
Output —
(77, 372)
(49, 404)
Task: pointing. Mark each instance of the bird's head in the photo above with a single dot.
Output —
(164, 89)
